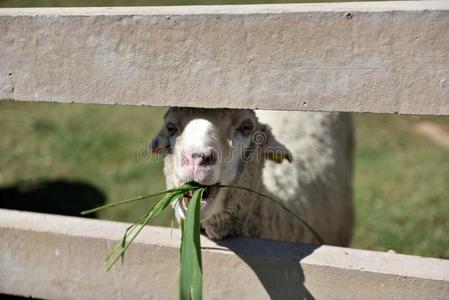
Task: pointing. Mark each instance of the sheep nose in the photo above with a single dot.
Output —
(207, 158)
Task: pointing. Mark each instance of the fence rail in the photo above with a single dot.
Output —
(389, 57)
(59, 257)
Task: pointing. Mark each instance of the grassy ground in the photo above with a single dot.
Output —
(90, 143)
(401, 184)
(401, 187)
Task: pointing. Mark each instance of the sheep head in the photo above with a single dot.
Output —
(211, 146)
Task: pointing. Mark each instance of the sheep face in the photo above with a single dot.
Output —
(211, 146)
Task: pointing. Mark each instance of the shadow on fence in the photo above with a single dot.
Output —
(281, 278)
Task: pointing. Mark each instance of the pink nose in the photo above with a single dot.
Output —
(199, 159)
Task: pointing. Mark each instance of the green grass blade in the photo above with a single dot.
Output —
(310, 228)
(131, 233)
(122, 243)
(184, 188)
(191, 276)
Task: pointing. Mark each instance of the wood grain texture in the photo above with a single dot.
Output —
(364, 57)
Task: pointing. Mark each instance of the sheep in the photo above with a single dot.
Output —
(309, 169)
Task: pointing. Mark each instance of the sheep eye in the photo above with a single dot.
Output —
(246, 128)
(171, 128)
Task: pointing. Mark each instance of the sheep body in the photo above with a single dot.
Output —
(317, 185)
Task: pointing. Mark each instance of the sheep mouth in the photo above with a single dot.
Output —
(208, 195)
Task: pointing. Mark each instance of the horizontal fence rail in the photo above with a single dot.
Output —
(57, 257)
(387, 57)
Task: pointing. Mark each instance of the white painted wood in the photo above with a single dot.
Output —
(57, 257)
(390, 57)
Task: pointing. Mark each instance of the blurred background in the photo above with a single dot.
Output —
(55, 155)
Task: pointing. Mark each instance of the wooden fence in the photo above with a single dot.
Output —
(387, 57)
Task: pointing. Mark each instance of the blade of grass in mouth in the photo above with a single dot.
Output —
(185, 188)
(170, 197)
(132, 231)
(191, 274)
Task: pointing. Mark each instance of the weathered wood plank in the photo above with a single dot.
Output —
(389, 57)
(57, 257)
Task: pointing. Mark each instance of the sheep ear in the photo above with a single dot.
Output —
(160, 144)
(272, 148)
